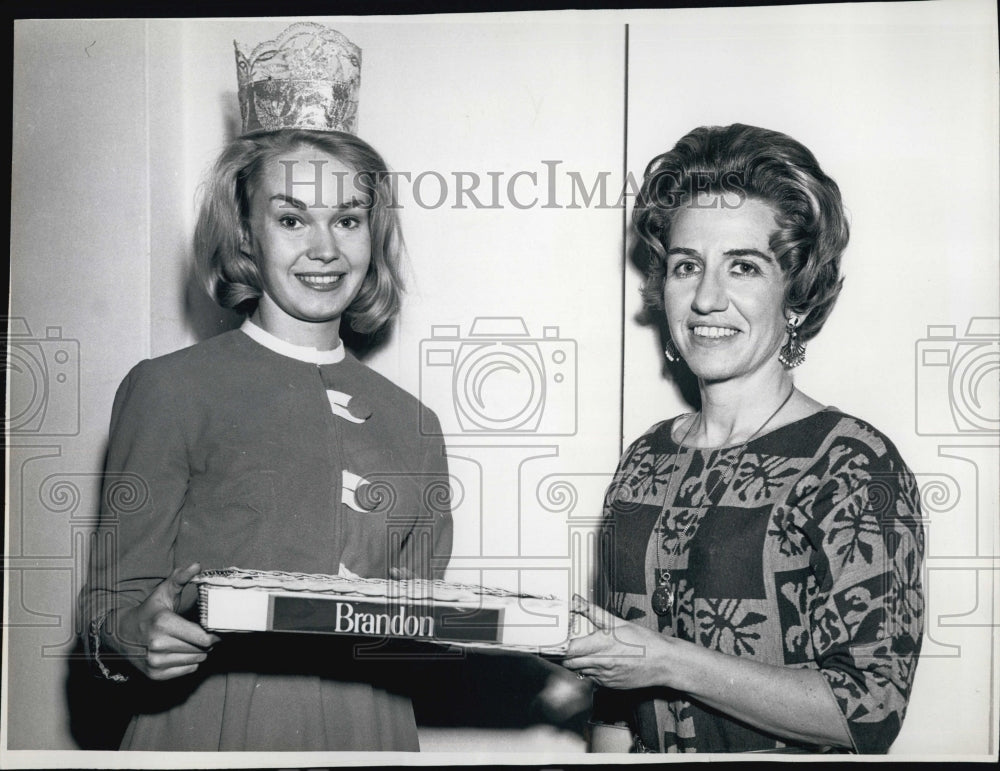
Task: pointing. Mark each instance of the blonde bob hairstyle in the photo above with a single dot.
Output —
(734, 163)
(232, 276)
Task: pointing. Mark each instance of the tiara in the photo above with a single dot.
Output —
(308, 77)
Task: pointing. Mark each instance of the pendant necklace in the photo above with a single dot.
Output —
(662, 599)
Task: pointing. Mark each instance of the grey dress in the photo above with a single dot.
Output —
(229, 453)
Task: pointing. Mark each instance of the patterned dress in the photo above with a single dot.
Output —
(810, 557)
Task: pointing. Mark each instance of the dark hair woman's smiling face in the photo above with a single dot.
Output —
(724, 290)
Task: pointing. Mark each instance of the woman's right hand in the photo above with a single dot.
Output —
(158, 642)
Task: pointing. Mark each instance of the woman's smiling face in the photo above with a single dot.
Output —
(724, 290)
(311, 242)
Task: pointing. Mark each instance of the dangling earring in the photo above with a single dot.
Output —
(671, 352)
(792, 353)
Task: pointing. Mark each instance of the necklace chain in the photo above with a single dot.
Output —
(663, 596)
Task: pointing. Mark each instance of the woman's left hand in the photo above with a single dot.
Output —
(620, 654)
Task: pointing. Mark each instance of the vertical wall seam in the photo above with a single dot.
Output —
(991, 746)
(624, 264)
(147, 266)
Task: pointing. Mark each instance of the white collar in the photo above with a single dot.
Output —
(300, 352)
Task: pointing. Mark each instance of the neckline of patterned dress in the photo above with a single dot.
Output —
(674, 444)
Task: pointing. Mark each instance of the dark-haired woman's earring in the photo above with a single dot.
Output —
(670, 351)
(792, 353)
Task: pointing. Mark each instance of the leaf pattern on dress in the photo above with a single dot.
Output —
(785, 530)
(663, 474)
(796, 638)
(866, 435)
(679, 730)
(842, 557)
(905, 668)
(905, 599)
(689, 492)
(646, 474)
(629, 470)
(848, 693)
(709, 484)
(676, 529)
(855, 531)
(757, 478)
(684, 622)
(723, 627)
(624, 496)
(908, 506)
(827, 628)
(832, 476)
(862, 611)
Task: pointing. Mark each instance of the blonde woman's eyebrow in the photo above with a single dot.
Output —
(291, 201)
(354, 203)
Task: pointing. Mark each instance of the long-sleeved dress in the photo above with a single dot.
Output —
(246, 451)
(810, 557)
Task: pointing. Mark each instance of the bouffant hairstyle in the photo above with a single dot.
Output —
(734, 163)
(232, 276)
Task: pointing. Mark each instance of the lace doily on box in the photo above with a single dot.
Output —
(410, 589)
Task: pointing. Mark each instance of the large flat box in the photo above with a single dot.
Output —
(235, 600)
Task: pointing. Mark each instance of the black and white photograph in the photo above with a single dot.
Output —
(538, 387)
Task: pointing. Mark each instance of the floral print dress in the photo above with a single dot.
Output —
(809, 557)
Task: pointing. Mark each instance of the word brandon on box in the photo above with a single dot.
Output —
(235, 600)
(304, 614)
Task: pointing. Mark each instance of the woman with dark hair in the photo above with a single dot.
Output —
(763, 554)
(270, 447)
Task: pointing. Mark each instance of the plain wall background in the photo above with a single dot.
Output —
(115, 122)
(79, 270)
